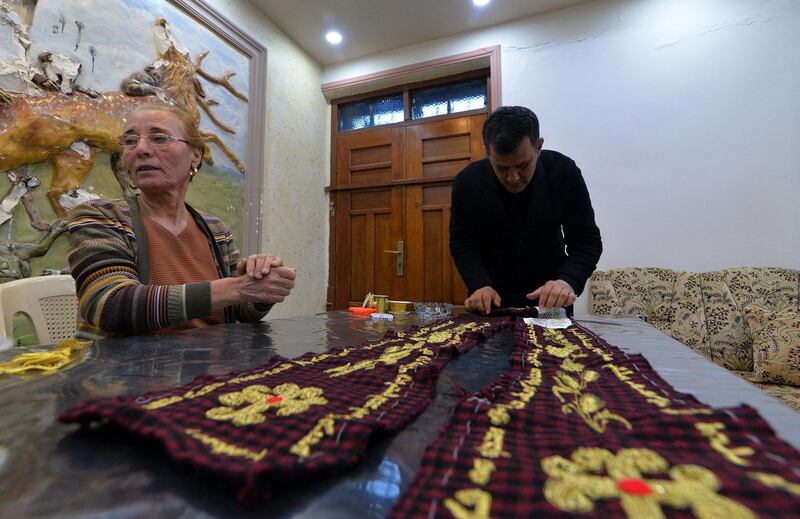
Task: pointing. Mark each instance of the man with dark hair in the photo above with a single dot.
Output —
(522, 229)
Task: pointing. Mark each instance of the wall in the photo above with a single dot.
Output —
(683, 116)
(296, 148)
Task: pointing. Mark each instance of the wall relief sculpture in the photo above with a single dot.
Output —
(69, 73)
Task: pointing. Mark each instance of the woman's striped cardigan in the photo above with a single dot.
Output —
(111, 270)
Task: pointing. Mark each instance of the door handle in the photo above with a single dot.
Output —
(401, 257)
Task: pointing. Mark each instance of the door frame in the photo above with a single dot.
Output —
(440, 70)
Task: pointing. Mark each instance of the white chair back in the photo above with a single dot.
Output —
(49, 301)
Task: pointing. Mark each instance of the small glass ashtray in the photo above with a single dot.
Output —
(433, 309)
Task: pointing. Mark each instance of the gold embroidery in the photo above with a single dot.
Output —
(203, 390)
(220, 447)
(481, 471)
(392, 355)
(589, 346)
(492, 446)
(479, 503)
(287, 399)
(255, 376)
(498, 414)
(162, 402)
(776, 481)
(719, 442)
(573, 485)
(587, 406)
(325, 426)
(624, 375)
(417, 342)
(686, 411)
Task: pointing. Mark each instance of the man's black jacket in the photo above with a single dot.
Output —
(558, 240)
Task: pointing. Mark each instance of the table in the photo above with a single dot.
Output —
(52, 470)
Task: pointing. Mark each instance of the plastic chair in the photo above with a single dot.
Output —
(49, 301)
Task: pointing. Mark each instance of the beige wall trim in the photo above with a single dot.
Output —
(256, 113)
(447, 65)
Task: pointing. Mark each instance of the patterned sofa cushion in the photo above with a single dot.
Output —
(706, 311)
(776, 345)
(729, 342)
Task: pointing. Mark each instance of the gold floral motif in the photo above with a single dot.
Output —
(470, 503)
(593, 474)
(720, 442)
(776, 481)
(248, 406)
(220, 447)
(492, 446)
(590, 408)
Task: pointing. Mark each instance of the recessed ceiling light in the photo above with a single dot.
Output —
(334, 37)
(481, 3)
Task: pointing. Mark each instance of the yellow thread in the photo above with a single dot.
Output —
(592, 474)
(59, 356)
(481, 471)
(777, 482)
(285, 399)
(479, 503)
(220, 447)
(720, 442)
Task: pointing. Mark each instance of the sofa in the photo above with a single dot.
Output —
(745, 319)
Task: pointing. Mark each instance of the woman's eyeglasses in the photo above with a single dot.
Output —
(130, 140)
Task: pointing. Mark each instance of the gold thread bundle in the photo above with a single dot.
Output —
(60, 356)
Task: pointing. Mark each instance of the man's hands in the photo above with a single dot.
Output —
(482, 300)
(556, 293)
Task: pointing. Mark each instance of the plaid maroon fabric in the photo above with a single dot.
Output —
(579, 427)
(295, 418)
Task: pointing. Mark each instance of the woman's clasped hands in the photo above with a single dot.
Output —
(262, 278)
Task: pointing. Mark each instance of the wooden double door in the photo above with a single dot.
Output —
(391, 213)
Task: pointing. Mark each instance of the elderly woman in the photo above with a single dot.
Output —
(152, 263)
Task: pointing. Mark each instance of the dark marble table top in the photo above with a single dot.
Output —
(52, 470)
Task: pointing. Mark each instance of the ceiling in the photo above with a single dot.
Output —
(372, 26)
